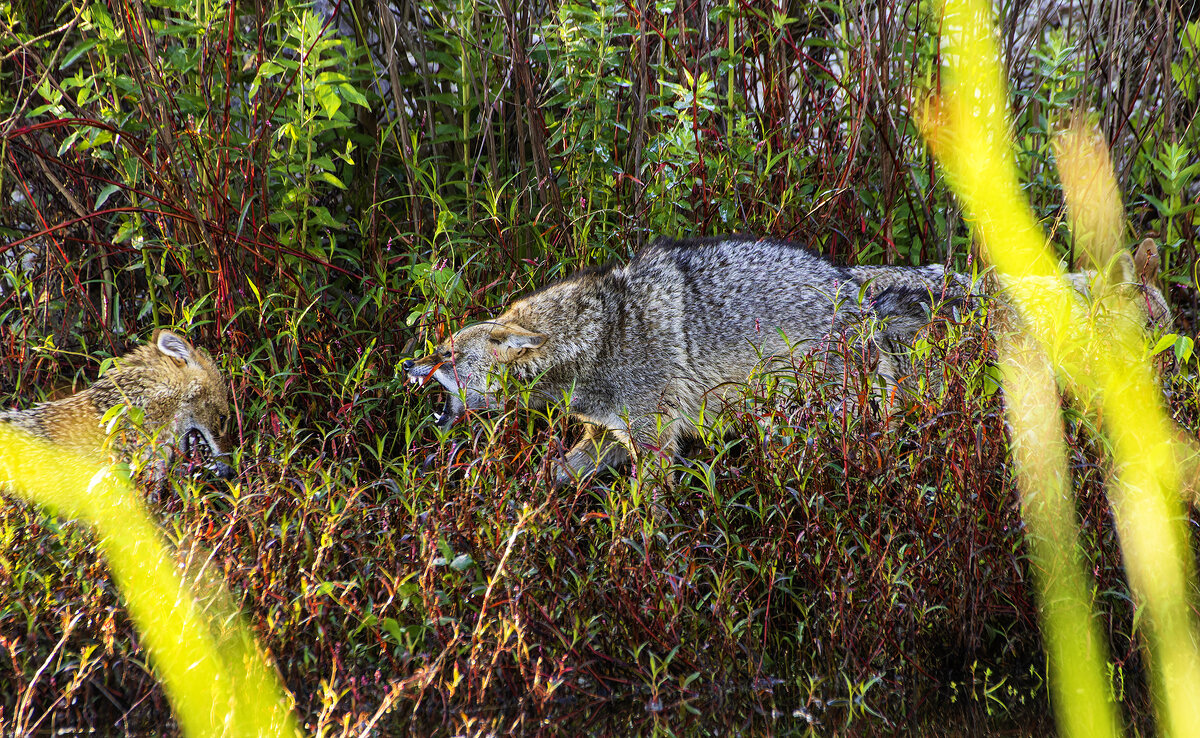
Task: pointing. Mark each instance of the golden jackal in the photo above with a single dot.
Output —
(640, 348)
(176, 386)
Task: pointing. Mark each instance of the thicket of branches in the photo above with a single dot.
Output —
(363, 172)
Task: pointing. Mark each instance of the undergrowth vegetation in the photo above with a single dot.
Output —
(316, 192)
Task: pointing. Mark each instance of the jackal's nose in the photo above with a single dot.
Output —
(407, 365)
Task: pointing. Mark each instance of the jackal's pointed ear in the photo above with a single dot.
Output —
(511, 341)
(174, 347)
(1146, 261)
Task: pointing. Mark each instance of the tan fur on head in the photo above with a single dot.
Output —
(1146, 261)
(466, 364)
(512, 341)
(176, 349)
(177, 387)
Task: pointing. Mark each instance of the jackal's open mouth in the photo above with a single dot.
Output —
(452, 410)
(195, 446)
(453, 407)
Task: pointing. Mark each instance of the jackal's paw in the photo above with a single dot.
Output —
(565, 472)
(561, 474)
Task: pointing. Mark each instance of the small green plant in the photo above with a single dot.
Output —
(320, 112)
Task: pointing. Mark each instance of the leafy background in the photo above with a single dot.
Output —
(317, 191)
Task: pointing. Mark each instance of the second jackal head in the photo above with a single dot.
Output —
(467, 364)
(176, 389)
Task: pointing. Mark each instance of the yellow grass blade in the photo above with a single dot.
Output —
(218, 681)
(967, 129)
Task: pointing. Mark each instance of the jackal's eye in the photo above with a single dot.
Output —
(222, 419)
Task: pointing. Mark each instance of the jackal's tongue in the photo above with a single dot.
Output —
(452, 411)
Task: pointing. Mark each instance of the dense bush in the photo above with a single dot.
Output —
(315, 192)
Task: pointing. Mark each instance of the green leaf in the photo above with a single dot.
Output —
(254, 289)
(104, 195)
(408, 587)
(393, 629)
(124, 232)
(329, 100)
(320, 216)
(77, 52)
(331, 179)
(1183, 349)
(353, 96)
(1158, 204)
(1164, 343)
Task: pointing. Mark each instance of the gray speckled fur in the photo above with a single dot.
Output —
(916, 286)
(902, 298)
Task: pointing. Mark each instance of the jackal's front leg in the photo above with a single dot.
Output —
(599, 449)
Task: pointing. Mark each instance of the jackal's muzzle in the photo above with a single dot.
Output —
(439, 368)
(196, 443)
